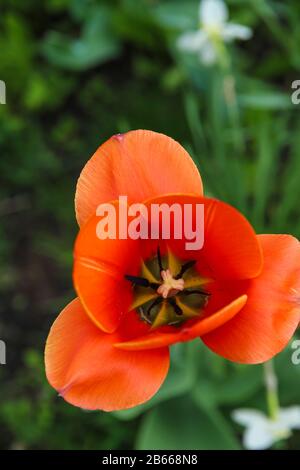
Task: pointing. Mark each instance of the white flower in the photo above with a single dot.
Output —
(262, 432)
(214, 28)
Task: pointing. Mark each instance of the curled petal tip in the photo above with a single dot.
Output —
(119, 137)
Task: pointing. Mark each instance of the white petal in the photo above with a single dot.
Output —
(290, 417)
(236, 31)
(208, 54)
(213, 13)
(279, 430)
(258, 437)
(192, 41)
(247, 417)
(261, 431)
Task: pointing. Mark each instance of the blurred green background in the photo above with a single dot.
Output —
(76, 72)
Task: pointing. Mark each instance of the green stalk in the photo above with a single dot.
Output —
(231, 102)
(271, 385)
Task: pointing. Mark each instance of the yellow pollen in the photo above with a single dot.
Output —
(170, 286)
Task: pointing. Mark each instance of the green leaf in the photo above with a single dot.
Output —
(236, 388)
(265, 99)
(288, 206)
(96, 45)
(180, 424)
(288, 376)
(265, 167)
(177, 14)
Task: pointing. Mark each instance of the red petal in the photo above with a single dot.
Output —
(99, 269)
(267, 322)
(169, 335)
(87, 371)
(139, 164)
(231, 249)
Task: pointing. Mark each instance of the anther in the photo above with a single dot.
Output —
(159, 260)
(185, 267)
(141, 281)
(176, 307)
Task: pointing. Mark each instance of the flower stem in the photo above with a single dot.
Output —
(271, 385)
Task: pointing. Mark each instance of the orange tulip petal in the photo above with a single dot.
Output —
(87, 371)
(139, 164)
(231, 249)
(170, 335)
(272, 314)
(99, 269)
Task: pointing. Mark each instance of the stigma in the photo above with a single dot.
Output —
(170, 285)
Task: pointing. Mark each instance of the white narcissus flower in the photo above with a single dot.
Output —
(214, 28)
(261, 431)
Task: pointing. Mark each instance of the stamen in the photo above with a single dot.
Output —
(154, 304)
(141, 281)
(163, 307)
(159, 260)
(185, 267)
(197, 291)
(176, 307)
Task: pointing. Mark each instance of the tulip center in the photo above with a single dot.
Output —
(168, 291)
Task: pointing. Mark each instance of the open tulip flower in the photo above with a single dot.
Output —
(239, 293)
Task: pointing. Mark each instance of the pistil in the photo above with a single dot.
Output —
(170, 285)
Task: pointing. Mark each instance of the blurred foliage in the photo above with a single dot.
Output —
(78, 71)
